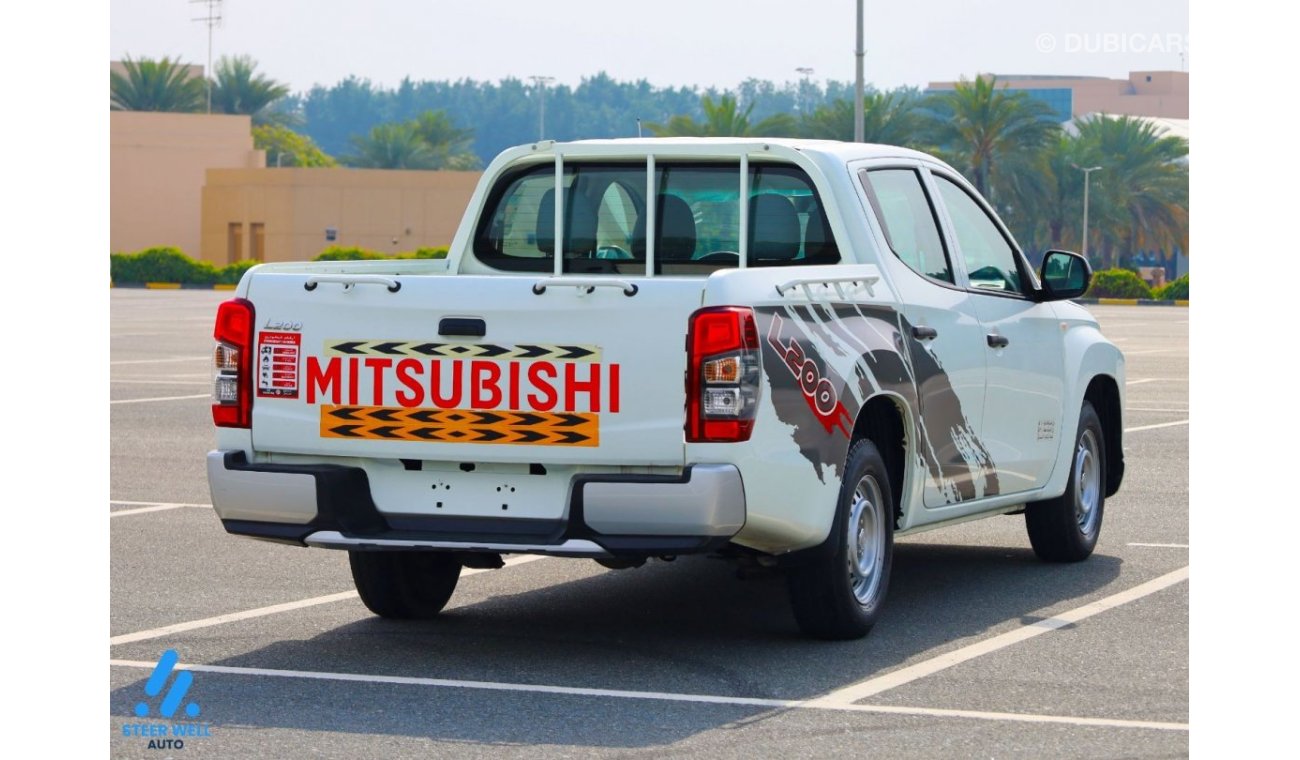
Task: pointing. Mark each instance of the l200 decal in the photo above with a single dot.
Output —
(460, 425)
(502, 352)
(819, 391)
(876, 340)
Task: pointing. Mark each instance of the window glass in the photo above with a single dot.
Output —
(990, 259)
(697, 211)
(905, 213)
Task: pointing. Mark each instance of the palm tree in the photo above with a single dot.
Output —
(979, 125)
(238, 88)
(725, 118)
(889, 118)
(450, 144)
(392, 146)
(1059, 208)
(149, 85)
(1141, 195)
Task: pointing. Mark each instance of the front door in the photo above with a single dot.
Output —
(1022, 343)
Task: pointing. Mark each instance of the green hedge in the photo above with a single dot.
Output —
(1117, 283)
(339, 253)
(1174, 291)
(230, 275)
(167, 264)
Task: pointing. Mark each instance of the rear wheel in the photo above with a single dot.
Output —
(1065, 529)
(840, 594)
(407, 585)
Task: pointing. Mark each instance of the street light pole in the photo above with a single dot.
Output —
(1087, 174)
(541, 82)
(858, 125)
(807, 72)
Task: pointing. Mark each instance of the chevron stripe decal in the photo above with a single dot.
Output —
(397, 423)
(416, 348)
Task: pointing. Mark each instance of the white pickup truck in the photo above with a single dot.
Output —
(814, 348)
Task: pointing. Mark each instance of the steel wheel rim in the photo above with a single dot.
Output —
(866, 540)
(1087, 482)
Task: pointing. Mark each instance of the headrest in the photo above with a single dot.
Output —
(579, 223)
(676, 233)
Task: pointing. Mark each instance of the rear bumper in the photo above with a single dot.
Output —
(608, 515)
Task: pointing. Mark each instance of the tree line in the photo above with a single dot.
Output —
(1007, 143)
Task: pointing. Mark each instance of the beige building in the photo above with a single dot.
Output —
(1144, 93)
(292, 214)
(157, 163)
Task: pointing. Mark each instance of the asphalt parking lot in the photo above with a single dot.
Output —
(983, 651)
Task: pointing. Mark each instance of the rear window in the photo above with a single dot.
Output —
(697, 227)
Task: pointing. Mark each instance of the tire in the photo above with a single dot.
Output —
(839, 595)
(1065, 529)
(405, 585)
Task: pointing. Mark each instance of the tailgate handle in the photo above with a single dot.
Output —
(462, 326)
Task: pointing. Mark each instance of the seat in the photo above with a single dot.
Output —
(774, 237)
(675, 236)
(818, 243)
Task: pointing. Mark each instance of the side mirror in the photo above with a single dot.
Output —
(1064, 275)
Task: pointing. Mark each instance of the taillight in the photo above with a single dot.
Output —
(722, 382)
(232, 384)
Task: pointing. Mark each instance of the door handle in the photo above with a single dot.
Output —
(465, 327)
(997, 341)
(924, 333)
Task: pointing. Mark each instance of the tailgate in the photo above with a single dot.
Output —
(566, 376)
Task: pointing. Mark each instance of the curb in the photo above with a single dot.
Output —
(1128, 302)
(173, 285)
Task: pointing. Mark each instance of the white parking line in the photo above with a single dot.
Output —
(162, 361)
(1141, 381)
(1156, 426)
(149, 506)
(157, 633)
(929, 712)
(1149, 409)
(1162, 546)
(872, 686)
(160, 382)
(159, 398)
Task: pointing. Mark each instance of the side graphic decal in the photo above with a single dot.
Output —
(809, 349)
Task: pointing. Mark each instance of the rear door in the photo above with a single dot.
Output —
(943, 334)
(471, 368)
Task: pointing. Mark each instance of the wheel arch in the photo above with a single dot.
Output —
(1103, 393)
(883, 421)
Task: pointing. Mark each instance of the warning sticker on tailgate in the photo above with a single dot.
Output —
(460, 425)
(277, 364)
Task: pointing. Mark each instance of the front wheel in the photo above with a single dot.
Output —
(406, 585)
(1065, 529)
(840, 594)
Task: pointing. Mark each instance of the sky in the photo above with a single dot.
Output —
(668, 42)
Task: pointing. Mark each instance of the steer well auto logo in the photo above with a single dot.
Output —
(168, 734)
